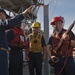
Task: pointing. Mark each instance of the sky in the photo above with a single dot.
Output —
(64, 8)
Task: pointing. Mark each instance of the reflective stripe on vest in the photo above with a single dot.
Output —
(19, 37)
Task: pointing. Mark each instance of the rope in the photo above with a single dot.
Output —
(64, 64)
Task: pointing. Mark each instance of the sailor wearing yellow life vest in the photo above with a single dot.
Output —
(37, 50)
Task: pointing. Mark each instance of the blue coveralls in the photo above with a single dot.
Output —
(35, 61)
(69, 68)
(4, 25)
(15, 57)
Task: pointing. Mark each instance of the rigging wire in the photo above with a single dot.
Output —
(54, 3)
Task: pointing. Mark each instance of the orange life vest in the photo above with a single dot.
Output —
(19, 37)
(64, 47)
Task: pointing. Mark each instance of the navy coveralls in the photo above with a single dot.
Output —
(69, 68)
(15, 57)
(4, 25)
(35, 61)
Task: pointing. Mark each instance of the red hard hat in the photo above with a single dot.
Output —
(55, 19)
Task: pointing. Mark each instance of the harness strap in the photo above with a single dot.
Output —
(4, 49)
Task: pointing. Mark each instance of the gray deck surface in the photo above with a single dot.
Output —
(26, 71)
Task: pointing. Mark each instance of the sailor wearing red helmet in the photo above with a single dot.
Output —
(62, 65)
